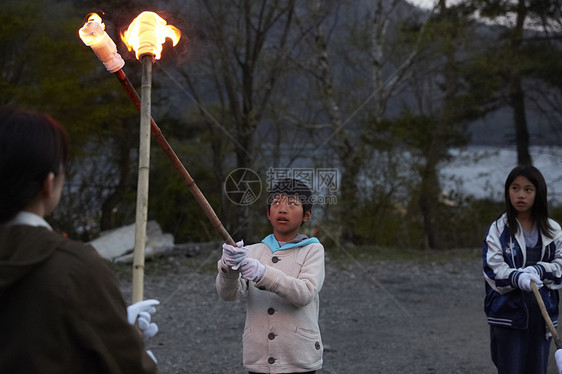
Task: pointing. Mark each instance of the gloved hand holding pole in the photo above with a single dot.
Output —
(545, 315)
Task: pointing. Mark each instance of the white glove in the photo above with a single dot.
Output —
(142, 311)
(531, 270)
(524, 281)
(151, 355)
(233, 256)
(558, 358)
(252, 269)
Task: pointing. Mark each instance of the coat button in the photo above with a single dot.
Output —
(275, 259)
(271, 336)
(271, 360)
(262, 288)
(317, 346)
(224, 270)
(270, 311)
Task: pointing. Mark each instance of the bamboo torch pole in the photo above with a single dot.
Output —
(143, 179)
(176, 162)
(145, 35)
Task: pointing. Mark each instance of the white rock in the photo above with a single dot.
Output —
(118, 245)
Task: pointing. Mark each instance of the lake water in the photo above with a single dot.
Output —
(481, 171)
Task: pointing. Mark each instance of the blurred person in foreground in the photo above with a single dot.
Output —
(61, 310)
(282, 277)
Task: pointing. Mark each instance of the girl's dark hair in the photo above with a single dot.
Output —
(292, 187)
(32, 145)
(539, 211)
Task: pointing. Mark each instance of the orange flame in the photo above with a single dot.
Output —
(147, 33)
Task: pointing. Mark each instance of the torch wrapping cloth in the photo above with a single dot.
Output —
(94, 35)
(148, 40)
(147, 33)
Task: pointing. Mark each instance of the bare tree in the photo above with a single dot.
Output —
(379, 64)
(247, 45)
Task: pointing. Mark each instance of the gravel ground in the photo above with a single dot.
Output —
(375, 316)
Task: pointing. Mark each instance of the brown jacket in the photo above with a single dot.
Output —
(61, 310)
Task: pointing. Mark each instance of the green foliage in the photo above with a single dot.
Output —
(384, 223)
(463, 222)
(45, 66)
(547, 62)
(460, 223)
(555, 213)
(171, 202)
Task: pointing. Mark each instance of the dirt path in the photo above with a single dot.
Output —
(380, 317)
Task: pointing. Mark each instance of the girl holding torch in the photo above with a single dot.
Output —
(62, 311)
(522, 250)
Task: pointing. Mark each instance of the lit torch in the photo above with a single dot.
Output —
(143, 37)
(93, 34)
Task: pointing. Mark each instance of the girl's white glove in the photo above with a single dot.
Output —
(143, 311)
(524, 281)
(558, 358)
(252, 269)
(530, 270)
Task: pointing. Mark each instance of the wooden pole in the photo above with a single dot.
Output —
(143, 179)
(176, 162)
(545, 315)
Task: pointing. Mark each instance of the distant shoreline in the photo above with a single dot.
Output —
(480, 170)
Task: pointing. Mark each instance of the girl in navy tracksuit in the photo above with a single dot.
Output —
(522, 246)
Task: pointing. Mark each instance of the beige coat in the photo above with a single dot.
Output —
(281, 332)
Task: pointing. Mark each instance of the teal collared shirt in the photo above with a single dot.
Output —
(299, 241)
